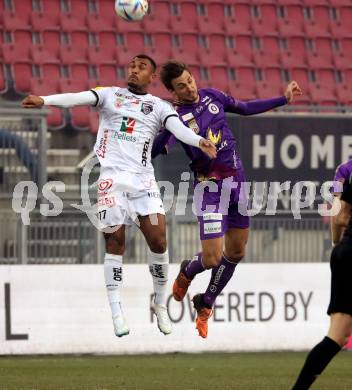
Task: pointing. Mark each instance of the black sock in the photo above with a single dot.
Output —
(317, 359)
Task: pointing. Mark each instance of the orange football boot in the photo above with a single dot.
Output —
(203, 314)
(181, 283)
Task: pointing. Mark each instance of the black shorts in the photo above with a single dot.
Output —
(341, 278)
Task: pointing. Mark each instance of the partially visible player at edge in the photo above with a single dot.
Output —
(204, 112)
(129, 120)
(340, 307)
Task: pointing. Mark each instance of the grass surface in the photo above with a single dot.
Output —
(175, 371)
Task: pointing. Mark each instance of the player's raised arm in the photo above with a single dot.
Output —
(187, 136)
(86, 98)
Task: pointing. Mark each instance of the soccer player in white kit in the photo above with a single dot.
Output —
(127, 191)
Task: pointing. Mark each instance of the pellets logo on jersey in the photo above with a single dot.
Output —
(127, 125)
(147, 108)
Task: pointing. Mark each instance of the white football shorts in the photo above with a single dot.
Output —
(124, 196)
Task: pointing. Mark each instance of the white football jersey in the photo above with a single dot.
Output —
(128, 124)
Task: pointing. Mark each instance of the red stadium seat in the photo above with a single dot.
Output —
(73, 85)
(51, 71)
(213, 21)
(216, 53)
(3, 87)
(40, 55)
(235, 58)
(319, 60)
(80, 117)
(157, 89)
(322, 95)
(55, 118)
(43, 87)
(70, 22)
(73, 55)
(22, 74)
(189, 50)
(219, 78)
(242, 91)
(344, 95)
(51, 41)
(135, 42)
(266, 24)
(41, 21)
(268, 89)
(187, 20)
(101, 55)
(123, 26)
(161, 40)
(93, 121)
(97, 23)
(242, 13)
(12, 53)
(159, 18)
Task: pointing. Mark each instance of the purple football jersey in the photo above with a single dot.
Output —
(208, 119)
(342, 174)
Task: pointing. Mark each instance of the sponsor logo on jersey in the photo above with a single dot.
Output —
(105, 184)
(154, 195)
(145, 152)
(213, 109)
(147, 108)
(194, 125)
(127, 125)
(212, 227)
(117, 274)
(187, 117)
(214, 138)
(101, 151)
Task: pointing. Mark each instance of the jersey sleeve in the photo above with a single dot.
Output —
(100, 93)
(340, 177)
(250, 107)
(166, 110)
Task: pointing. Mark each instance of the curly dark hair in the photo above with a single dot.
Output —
(171, 70)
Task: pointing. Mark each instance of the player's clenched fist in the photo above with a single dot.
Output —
(208, 148)
(292, 90)
(32, 101)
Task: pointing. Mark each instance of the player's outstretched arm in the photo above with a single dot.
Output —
(187, 136)
(86, 98)
(257, 106)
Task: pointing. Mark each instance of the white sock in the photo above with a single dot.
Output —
(159, 269)
(113, 281)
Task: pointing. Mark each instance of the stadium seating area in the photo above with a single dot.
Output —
(249, 48)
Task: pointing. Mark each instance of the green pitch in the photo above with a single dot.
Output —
(174, 371)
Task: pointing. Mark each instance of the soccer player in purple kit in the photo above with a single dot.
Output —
(223, 233)
(340, 306)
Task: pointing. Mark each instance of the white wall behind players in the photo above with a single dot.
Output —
(63, 309)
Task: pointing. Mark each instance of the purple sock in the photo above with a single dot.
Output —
(220, 276)
(194, 267)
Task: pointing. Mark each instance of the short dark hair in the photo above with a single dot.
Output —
(171, 70)
(146, 57)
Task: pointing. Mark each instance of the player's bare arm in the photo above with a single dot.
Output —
(340, 220)
(292, 90)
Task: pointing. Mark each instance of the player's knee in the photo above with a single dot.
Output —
(158, 245)
(211, 260)
(114, 245)
(236, 255)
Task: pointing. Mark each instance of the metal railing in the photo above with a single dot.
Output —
(23, 147)
(71, 239)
